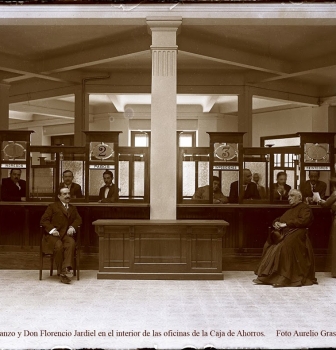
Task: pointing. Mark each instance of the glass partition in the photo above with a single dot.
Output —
(55, 166)
(133, 174)
(194, 172)
(14, 146)
(305, 160)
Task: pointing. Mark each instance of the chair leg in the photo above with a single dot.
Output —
(51, 265)
(41, 267)
(77, 263)
(74, 268)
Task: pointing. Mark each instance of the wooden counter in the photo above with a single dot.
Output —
(244, 237)
(160, 249)
(20, 222)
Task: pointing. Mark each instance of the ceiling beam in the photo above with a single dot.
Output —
(131, 43)
(206, 49)
(306, 67)
(47, 110)
(27, 91)
(24, 67)
(193, 14)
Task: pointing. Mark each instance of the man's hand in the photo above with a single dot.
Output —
(71, 231)
(279, 225)
(23, 199)
(56, 233)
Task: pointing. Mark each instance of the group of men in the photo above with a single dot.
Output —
(253, 190)
(61, 219)
(13, 188)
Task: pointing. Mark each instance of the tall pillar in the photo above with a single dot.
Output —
(163, 118)
(332, 118)
(4, 106)
(245, 115)
(320, 118)
(81, 116)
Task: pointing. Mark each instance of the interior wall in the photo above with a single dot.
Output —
(227, 123)
(320, 118)
(288, 121)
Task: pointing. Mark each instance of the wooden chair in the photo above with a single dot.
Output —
(51, 255)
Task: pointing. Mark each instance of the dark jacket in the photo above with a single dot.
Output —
(112, 195)
(276, 194)
(251, 192)
(10, 192)
(75, 190)
(57, 217)
(320, 187)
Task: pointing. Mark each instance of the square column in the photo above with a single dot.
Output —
(245, 115)
(4, 106)
(81, 116)
(163, 166)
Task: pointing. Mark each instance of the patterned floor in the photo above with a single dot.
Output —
(126, 314)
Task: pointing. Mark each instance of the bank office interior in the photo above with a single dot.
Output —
(98, 77)
(241, 70)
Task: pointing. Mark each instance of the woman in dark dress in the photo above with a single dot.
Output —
(331, 203)
(280, 188)
(288, 259)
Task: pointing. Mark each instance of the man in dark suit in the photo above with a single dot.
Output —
(13, 189)
(250, 190)
(75, 189)
(203, 193)
(109, 192)
(60, 221)
(313, 185)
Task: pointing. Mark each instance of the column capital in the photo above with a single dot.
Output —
(164, 24)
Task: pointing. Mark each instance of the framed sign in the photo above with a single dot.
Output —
(225, 151)
(316, 152)
(102, 151)
(14, 150)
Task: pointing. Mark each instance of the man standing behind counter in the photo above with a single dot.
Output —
(313, 185)
(13, 189)
(75, 189)
(250, 190)
(203, 193)
(109, 192)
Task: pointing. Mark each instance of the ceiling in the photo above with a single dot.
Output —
(41, 54)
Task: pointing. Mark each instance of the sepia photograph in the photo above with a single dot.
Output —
(168, 176)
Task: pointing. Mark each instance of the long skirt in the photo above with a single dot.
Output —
(288, 263)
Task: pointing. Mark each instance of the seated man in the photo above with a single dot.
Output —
(313, 185)
(60, 221)
(13, 189)
(75, 189)
(109, 192)
(288, 257)
(202, 193)
(250, 188)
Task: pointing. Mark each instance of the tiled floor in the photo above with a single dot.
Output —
(211, 308)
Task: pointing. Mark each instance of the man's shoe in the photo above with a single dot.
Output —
(278, 285)
(65, 279)
(69, 272)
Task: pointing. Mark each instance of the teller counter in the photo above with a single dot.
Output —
(20, 222)
(249, 224)
(246, 233)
